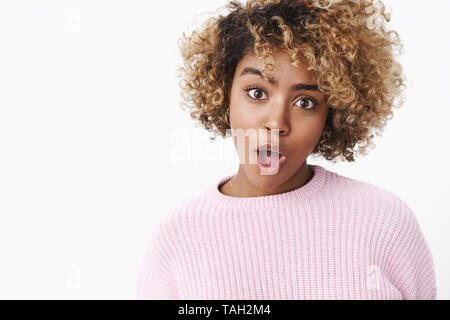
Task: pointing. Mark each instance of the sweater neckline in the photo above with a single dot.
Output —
(277, 200)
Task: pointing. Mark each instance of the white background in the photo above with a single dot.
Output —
(92, 139)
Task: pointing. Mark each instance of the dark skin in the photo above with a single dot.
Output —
(299, 115)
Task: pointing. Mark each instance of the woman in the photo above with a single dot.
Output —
(289, 79)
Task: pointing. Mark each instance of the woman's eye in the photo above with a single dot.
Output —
(307, 103)
(259, 94)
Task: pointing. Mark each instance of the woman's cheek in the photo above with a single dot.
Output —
(245, 116)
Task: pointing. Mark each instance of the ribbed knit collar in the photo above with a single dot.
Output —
(272, 201)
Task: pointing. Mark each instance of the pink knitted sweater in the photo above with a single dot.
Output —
(333, 238)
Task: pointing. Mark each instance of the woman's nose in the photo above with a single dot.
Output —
(278, 118)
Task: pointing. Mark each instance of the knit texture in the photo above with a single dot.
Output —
(333, 238)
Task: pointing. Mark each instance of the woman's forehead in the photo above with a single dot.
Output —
(252, 65)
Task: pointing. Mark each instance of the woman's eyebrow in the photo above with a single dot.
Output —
(295, 87)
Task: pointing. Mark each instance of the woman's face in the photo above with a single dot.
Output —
(290, 102)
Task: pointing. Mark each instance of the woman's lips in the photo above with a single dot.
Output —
(272, 160)
(270, 146)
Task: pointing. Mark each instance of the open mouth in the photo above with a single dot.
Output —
(269, 158)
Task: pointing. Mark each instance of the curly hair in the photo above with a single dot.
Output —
(345, 42)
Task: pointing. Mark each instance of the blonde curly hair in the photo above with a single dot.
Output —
(345, 42)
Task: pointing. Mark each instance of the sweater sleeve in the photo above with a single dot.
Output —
(410, 261)
(156, 280)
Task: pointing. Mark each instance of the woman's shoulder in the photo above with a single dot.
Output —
(184, 208)
(179, 221)
(365, 192)
(359, 187)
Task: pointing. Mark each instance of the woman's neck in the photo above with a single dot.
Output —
(239, 186)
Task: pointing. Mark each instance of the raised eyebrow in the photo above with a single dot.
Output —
(295, 87)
